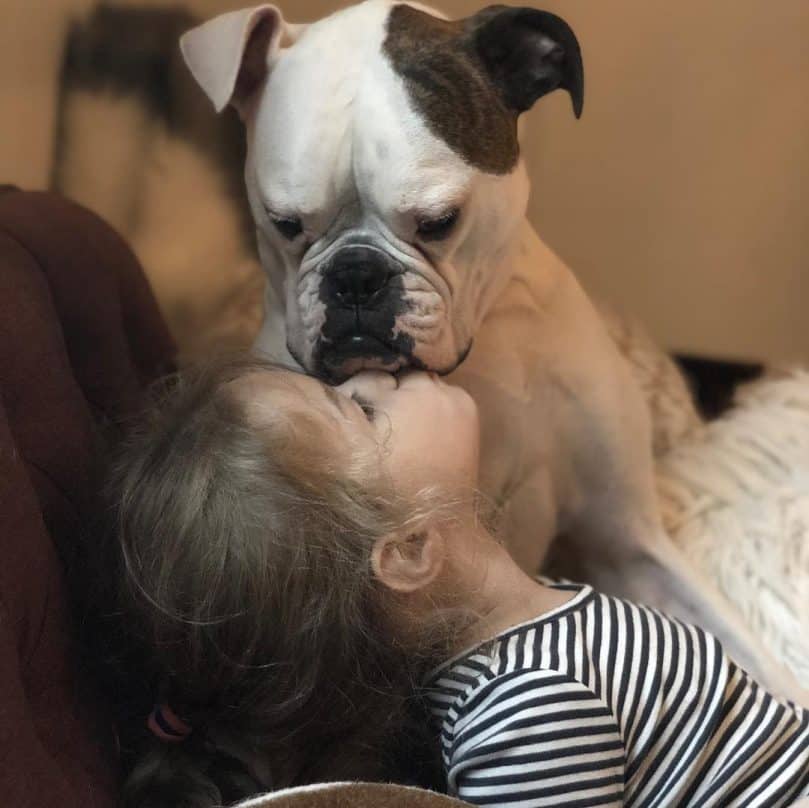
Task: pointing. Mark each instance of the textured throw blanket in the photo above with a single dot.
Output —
(735, 497)
(734, 492)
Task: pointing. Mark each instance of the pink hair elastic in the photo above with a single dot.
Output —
(164, 723)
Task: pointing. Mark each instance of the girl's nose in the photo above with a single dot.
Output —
(370, 382)
(417, 376)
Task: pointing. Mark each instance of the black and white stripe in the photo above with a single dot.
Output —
(603, 702)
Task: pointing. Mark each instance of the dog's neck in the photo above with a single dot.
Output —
(525, 262)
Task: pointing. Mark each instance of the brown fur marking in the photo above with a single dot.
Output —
(450, 89)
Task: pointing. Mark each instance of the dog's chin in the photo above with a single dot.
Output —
(341, 360)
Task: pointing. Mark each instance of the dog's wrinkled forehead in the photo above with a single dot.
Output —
(449, 88)
(304, 89)
(390, 100)
(338, 119)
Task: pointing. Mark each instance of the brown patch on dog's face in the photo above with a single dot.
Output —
(450, 88)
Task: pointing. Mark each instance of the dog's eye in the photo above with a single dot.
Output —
(365, 406)
(290, 229)
(437, 229)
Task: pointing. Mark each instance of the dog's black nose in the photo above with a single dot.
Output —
(358, 284)
(357, 275)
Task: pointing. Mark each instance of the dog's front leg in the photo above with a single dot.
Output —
(655, 572)
(619, 543)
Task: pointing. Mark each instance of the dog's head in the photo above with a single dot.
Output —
(383, 167)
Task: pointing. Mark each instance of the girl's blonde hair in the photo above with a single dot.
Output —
(247, 599)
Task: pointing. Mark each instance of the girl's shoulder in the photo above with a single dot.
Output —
(489, 695)
(488, 657)
(589, 641)
(525, 647)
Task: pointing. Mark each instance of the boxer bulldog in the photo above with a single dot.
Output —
(385, 178)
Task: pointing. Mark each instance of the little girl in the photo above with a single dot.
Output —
(299, 561)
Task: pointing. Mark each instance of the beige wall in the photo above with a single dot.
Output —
(684, 190)
(683, 193)
(31, 33)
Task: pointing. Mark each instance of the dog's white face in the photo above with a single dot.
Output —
(383, 167)
(397, 229)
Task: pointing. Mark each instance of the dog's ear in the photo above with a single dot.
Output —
(528, 54)
(230, 55)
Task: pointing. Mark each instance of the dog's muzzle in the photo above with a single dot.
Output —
(363, 294)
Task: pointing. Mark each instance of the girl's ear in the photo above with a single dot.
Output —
(411, 563)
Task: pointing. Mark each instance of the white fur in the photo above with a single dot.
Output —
(328, 137)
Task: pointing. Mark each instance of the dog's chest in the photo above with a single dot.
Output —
(504, 374)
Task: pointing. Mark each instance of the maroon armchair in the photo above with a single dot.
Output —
(80, 335)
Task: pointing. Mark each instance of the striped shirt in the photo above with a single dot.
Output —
(602, 702)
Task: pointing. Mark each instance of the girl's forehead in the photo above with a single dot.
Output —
(276, 399)
(261, 382)
(279, 388)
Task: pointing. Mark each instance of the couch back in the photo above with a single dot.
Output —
(80, 334)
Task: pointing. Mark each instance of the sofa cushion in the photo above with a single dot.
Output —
(80, 334)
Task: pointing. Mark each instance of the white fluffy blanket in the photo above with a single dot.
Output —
(735, 497)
